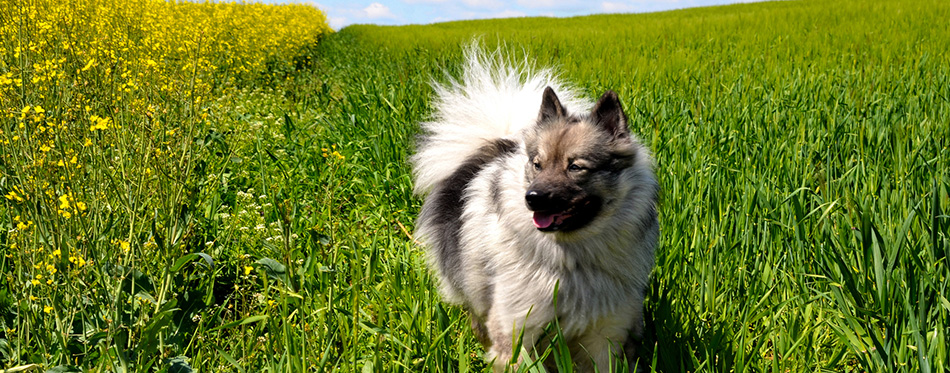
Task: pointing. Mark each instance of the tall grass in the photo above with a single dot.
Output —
(802, 153)
(801, 149)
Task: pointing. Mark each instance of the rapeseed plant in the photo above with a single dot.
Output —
(101, 103)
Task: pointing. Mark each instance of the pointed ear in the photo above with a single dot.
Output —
(608, 114)
(550, 106)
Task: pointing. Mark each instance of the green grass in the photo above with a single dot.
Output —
(802, 153)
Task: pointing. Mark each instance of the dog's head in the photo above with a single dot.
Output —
(575, 162)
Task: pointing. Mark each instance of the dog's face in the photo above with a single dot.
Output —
(575, 162)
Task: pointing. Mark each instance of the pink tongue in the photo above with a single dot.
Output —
(543, 220)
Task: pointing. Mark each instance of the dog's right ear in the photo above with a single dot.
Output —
(550, 106)
(608, 113)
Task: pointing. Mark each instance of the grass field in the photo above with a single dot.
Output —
(228, 207)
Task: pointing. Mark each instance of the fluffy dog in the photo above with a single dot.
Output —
(529, 189)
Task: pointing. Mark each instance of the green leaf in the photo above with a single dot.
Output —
(179, 364)
(230, 359)
(22, 368)
(149, 340)
(274, 269)
(56, 369)
(190, 257)
(244, 321)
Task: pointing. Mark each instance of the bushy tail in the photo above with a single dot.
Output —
(494, 98)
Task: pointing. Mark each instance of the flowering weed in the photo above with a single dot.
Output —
(104, 105)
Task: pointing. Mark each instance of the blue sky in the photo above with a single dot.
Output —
(401, 12)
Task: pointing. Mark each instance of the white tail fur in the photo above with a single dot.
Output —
(493, 99)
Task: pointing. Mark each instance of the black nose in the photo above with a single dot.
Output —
(538, 200)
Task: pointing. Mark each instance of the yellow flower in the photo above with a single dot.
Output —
(14, 196)
(124, 245)
(247, 270)
(48, 309)
(64, 201)
(77, 260)
(98, 123)
(88, 65)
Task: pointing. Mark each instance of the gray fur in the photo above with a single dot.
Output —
(443, 208)
(493, 260)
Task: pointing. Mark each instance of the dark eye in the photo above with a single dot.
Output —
(537, 165)
(574, 167)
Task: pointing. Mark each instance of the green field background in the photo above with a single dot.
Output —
(801, 149)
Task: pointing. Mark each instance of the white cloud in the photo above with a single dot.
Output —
(341, 14)
(554, 4)
(337, 23)
(486, 4)
(612, 7)
(508, 13)
(377, 11)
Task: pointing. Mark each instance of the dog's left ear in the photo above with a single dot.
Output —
(609, 115)
(550, 106)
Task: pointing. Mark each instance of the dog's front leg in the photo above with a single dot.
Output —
(506, 330)
(604, 345)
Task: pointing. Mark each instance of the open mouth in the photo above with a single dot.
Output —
(547, 221)
(571, 218)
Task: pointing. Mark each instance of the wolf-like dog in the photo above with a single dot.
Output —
(529, 188)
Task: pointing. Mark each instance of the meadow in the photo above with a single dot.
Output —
(224, 187)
